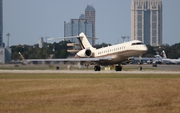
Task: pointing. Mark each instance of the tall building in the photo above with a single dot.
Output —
(5, 55)
(85, 23)
(41, 42)
(90, 15)
(146, 21)
(75, 27)
(1, 23)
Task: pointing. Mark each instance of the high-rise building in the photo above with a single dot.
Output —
(1, 23)
(146, 21)
(41, 42)
(85, 23)
(5, 53)
(75, 27)
(90, 15)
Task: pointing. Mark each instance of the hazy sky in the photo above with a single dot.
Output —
(28, 20)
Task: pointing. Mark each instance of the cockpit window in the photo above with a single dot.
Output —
(138, 43)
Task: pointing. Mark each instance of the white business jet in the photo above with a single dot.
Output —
(115, 54)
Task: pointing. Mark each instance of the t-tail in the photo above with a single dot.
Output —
(84, 43)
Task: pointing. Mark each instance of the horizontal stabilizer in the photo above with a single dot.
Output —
(61, 38)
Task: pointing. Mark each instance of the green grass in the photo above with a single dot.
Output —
(89, 93)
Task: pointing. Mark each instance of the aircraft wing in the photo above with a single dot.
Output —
(70, 60)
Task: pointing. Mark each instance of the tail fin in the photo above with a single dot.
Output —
(164, 54)
(21, 56)
(24, 61)
(84, 43)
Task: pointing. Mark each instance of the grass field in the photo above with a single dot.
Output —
(89, 93)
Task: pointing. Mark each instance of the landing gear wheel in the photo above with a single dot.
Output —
(118, 68)
(97, 68)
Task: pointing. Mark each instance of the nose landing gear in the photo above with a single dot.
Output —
(140, 63)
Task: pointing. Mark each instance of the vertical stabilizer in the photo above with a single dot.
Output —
(164, 54)
(84, 42)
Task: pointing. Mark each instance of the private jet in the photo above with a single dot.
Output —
(111, 55)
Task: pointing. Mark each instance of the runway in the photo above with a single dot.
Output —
(89, 71)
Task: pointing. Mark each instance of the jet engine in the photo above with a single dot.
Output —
(131, 59)
(84, 53)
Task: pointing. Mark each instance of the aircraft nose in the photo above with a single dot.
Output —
(145, 48)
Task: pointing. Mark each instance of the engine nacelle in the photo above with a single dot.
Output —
(131, 59)
(84, 53)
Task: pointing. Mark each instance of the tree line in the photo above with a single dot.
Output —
(172, 51)
(54, 50)
(59, 50)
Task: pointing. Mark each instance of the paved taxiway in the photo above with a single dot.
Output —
(89, 71)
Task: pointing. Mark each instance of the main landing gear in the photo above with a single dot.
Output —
(118, 68)
(97, 68)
